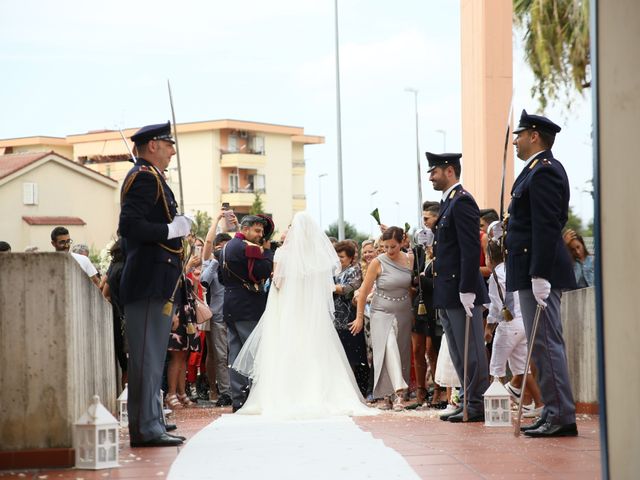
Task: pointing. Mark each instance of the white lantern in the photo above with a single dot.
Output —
(96, 438)
(497, 405)
(123, 414)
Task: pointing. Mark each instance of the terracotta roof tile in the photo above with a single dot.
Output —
(17, 161)
(13, 162)
(54, 220)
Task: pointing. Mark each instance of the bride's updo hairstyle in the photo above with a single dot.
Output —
(395, 233)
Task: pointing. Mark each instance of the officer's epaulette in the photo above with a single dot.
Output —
(132, 176)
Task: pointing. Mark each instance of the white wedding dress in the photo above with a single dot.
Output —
(294, 356)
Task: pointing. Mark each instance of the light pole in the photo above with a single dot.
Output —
(444, 139)
(415, 106)
(371, 208)
(339, 128)
(397, 213)
(320, 197)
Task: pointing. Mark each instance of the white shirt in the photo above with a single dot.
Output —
(85, 264)
(495, 309)
(448, 191)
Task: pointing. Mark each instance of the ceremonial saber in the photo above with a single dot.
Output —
(133, 157)
(532, 338)
(504, 158)
(465, 411)
(175, 137)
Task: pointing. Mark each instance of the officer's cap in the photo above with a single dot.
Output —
(159, 131)
(536, 122)
(442, 159)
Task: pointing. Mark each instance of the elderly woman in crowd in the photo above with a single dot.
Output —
(582, 260)
(347, 282)
(391, 318)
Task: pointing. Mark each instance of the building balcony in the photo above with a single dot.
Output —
(251, 161)
(242, 197)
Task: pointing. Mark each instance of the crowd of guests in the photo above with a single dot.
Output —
(384, 317)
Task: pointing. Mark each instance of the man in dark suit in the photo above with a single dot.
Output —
(459, 289)
(151, 238)
(245, 263)
(539, 267)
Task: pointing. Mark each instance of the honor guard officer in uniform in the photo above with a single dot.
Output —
(539, 266)
(151, 234)
(245, 263)
(458, 287)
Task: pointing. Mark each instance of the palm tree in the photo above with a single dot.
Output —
(556, 43)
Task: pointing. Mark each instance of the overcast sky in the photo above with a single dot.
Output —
(70, 67)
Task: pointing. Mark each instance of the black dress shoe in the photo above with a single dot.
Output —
(458, 418)
(550, 430)
(179, 437)
(224, 400)
(170, 427)
(537, 424)
(164, 440)
(446, 416)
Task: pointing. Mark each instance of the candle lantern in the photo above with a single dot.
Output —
(123, 415)
(497, 405)
(96, 438)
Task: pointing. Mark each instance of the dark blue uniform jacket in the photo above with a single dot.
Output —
(241, 304)
(456, 250)
(153, 263)
(537, 214)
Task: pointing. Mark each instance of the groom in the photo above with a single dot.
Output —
(245, 263)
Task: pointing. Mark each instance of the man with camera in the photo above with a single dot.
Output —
(246, 262)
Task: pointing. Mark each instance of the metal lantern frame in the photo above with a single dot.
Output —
(123, 413)
(96, 438)
(497, 405)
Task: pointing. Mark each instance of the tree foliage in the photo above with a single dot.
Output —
(256, 206)
(201, 224)
(556, 44)
(350, 232)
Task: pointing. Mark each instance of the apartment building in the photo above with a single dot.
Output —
(221, 161)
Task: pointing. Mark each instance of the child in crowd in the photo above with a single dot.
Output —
(505, 324)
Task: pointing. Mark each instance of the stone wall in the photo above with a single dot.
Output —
(56, 349)
(579, 326)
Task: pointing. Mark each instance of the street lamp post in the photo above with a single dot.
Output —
(371, 209)
(415, 106)
(397, 213)
(320, 197)
(339, 129)
(444, 139)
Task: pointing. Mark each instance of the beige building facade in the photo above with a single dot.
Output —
(42, 190)
(221, 161)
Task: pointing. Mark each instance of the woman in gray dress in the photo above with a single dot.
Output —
(391, 318)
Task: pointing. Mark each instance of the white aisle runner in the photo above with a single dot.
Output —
(245, 446)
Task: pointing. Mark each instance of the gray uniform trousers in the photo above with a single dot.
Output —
(550, 357)
(238, 332)
(148, 333)
(453, 321)
(218, 352)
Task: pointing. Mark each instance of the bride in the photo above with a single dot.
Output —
(294, 356)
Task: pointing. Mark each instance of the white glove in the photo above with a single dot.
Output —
(467, 300)
(541, 288)
(424, 237)
(180, 227)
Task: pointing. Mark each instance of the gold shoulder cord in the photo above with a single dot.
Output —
(159, 193)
